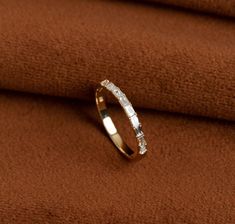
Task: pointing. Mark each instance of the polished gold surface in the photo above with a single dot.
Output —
(111, 128)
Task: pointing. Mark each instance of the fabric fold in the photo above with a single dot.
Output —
(164, 59)
(58, 166)
(218, 7)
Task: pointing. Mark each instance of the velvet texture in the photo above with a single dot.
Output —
(58, 166)
(218, 7)
(165, 59)
(56, 163)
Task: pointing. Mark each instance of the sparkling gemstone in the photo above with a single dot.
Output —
(142, 145)
(117, 92)
(143, 150)
(124, 101)
(135, 121)
(139, 132)
(104, 82)
(110, 86)
(129, 110)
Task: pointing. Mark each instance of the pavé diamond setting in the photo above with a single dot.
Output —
(130, 112)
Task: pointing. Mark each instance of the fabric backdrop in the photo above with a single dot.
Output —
(164, 59)
(56, 163)
(58, 166)
(219, 7)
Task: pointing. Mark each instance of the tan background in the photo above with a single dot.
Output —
(58, 166)
(56, 163)
(166, 59)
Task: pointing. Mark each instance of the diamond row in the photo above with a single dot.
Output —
(130, 112)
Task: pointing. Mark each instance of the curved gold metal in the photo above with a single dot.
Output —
(111, 128)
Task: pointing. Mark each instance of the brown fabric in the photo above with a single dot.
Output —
(57, 166)
(163, 58)
(219, 7)
(56, 163)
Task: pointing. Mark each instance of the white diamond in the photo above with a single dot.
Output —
(129, 110)
(139, 132)
(143, 150)
(110, 86)
(142, 145)
(142, 141)
(104, 82)
(117, 92)
(124, 101)
(135, 121)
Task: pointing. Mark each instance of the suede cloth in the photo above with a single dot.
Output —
(164, 59)
(219, 7)
(57, 166)
(56, 163)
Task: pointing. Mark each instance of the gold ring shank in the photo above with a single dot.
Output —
(110, 126)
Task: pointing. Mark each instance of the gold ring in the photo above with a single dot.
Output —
(111, 129)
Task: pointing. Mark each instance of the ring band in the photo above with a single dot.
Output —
(106, 85)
